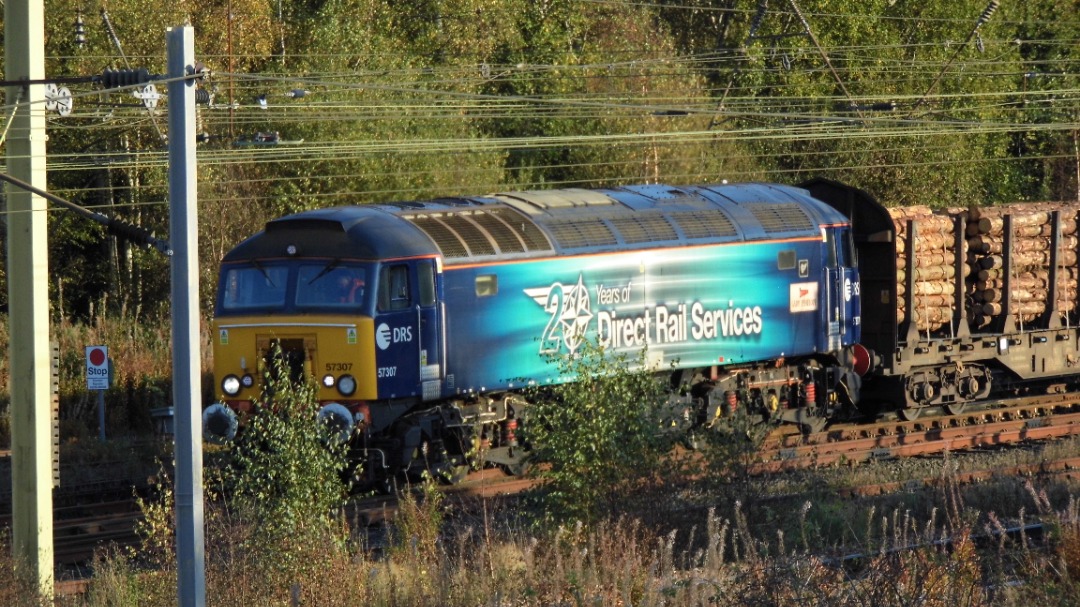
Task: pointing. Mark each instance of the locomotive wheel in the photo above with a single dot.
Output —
(810, 424)
(910, 414)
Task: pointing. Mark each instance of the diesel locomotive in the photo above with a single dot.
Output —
(424, 322)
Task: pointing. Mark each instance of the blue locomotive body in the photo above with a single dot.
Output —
(456, 304)
(691, 306)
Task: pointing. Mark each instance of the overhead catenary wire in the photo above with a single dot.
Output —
(428, 94)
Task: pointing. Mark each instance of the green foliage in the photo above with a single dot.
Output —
(419, 520)
(597, 440)
(157, 528)
(729, 447)
(445, 97)
(284, 479)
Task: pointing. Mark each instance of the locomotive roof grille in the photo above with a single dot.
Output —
(540, 223)
(576, 233)
(445, 238)
(704, 224)
(481, 232)
(651, 227)
(781, 217)
(476, 241)
(505, 239)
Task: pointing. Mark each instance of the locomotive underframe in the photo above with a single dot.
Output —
(447, 439)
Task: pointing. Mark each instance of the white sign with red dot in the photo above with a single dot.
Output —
(97, 367)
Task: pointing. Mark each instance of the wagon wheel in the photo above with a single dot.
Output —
(910, 414)
(955, 408)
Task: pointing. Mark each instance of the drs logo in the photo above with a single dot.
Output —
(384, 335)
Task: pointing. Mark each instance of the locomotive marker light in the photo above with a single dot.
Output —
(346, 385)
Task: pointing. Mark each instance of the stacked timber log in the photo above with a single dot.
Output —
(983, 270)
(1029, 287)
(935, 266)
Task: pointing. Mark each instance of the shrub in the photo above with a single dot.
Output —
(284, 476)
(597, 440)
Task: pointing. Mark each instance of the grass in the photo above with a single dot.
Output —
(757, 542)
(434, 555)
(142, 363)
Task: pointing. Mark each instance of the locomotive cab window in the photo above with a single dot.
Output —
(425, 275)
(487, 285)
(254, 287)
(838, 247)
(394, 288)
(847, 248)
(330, 284)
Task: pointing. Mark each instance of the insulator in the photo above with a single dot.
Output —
(80, 30)
(203, 97)
(755, 23)
(111, 78)
(510, 433)
(990, 8)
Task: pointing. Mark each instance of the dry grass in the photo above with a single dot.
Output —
(142, 363)
(704, 550)
(493, 561)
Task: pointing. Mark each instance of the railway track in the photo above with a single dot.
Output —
(1027, 419)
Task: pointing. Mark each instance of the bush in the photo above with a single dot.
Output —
(597, 440)
(284, 477)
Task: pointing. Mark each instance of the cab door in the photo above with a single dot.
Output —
(407, 331)
(430, 322)
(842, 300)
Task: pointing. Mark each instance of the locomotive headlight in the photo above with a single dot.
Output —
(247, 380)
(328, 381)
(346, 385)
(231, 385)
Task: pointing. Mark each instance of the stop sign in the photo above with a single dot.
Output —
(97, 367)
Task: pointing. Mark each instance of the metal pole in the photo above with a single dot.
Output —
(28, 295)
(183, 235)
(101, 415)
